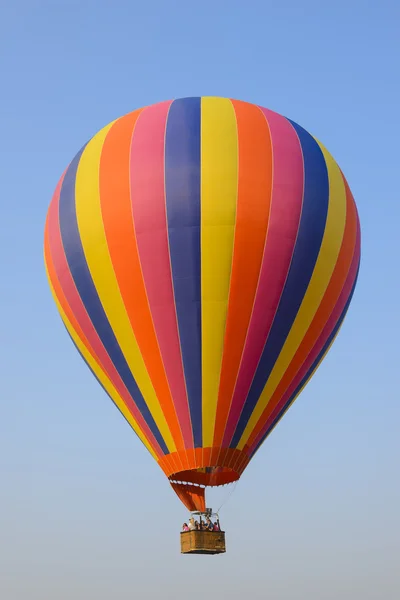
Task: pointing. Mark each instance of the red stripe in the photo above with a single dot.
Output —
(252, 213)
(150, 221)
(287, 197)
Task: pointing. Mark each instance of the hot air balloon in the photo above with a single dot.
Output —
(202, 253)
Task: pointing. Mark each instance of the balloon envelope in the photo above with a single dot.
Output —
(202, 253)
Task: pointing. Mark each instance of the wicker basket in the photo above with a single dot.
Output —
(203, 542)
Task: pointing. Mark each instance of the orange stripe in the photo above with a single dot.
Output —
(215, 450)
(174, 458)
(58, 290)
(198, 453)
(242, 464)
(185, 461)
(233, 458)
(322, 315)
(115, 197)
(165, 464)
(253, 207)
(191, 458)
(206, 455)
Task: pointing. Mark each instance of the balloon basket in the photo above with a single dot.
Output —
(203, 542)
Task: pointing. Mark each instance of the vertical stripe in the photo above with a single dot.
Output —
(149, 215)
(126, 407)
(308, 244)
(319, 281)
(182, 190)
(95, 247)
(219, 168)
(87, 290)
(115, 198)
(71, 304)
(253, 208)
(286, 205)
(322, 316)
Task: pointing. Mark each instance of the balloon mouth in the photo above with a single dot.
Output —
(205, 477)
(205, 467)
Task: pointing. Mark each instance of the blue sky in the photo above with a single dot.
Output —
(85, 512)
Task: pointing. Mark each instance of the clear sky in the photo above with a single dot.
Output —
(85, 513)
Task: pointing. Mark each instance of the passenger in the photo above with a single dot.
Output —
(192, 524)
(216, 526)
(185, 527)
(209, 525)
(197, 525)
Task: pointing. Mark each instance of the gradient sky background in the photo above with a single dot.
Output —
(85, 513)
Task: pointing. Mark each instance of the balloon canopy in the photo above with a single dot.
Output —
(202, 253)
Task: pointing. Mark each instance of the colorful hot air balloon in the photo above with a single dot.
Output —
(202, 253)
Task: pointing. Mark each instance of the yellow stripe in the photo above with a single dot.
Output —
(102, 377)
(92, 234)
(324, 267)
(219, 172)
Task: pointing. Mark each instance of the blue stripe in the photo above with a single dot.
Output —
(182, 186)
(310, 372)
(88, 293)
(308, 244)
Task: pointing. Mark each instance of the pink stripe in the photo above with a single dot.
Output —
(329, 327)
(286, 204)
(150, 220)
(91, 339)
